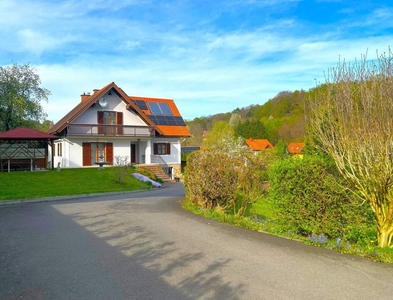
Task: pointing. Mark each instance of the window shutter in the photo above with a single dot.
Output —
(168, 148)
(109, 153)
(155, 149)
(100, 120)
(119, 118)
(86, 154)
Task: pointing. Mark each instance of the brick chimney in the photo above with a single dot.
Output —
(84, 96)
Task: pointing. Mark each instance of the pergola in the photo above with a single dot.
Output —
(25, 148)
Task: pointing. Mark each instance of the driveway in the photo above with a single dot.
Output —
(143, 245)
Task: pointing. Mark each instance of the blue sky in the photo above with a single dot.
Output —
(209, 56)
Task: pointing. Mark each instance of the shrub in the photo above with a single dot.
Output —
(216, 179)
(146, 172)
(310, 197)
(210, 178)
(122, 165)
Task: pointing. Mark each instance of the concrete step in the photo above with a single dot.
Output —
(158, 172)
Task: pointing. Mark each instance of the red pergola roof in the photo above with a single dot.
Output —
(24, 133)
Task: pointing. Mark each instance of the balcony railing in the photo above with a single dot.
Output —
(110, 130)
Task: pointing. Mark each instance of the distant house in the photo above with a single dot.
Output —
(109, 123)
(188, 149)
(295, 148)
(259, 144)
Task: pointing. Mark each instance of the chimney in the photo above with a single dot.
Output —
(84, 96)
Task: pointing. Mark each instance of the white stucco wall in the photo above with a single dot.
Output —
(175, 156)
(114, 104)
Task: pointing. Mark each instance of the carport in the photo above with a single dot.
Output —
(25, 149)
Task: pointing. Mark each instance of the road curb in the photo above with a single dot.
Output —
(70, 197)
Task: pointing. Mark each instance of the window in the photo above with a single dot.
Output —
(59, 149)
(162, 149)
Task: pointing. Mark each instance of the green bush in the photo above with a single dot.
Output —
(210, 178)
(215, 179)
(310, 197)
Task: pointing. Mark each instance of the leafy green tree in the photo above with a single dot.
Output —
(350, 118)
(222, 139)
(20, 96)
(251, 129)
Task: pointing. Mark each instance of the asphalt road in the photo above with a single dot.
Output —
(145, 246)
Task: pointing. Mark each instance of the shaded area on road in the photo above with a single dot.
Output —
(82, 250)
(144, 246)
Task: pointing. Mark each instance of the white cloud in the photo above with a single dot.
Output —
(204, 67)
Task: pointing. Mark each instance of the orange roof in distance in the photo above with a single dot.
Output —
(259, 144)
(296, 148)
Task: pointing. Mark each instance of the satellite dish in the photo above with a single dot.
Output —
(103, 102)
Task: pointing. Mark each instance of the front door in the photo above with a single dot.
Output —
(133, 153)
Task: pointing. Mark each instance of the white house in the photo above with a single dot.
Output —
(109, 124)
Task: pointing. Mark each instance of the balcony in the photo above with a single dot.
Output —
(110, 130)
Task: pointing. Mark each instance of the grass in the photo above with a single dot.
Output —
(261, 218)
(24, 185)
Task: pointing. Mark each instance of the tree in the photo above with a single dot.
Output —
(350, 118)
(20, 96)
(222, 139)
(251, 129)
(122, 165)
(45, 125)
(234, 120)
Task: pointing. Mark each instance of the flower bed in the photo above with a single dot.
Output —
(146, 179)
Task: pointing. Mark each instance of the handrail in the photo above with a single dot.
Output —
(110, 130)
(157, 159)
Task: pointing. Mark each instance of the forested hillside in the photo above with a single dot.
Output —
(280, 118)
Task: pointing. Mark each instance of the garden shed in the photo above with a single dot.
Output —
(25, 149)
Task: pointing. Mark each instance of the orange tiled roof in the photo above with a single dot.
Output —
(259, 144)
(174, 130)
(295, 148)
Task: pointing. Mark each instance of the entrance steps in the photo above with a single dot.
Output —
(157, 171)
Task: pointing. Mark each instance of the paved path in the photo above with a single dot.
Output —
(144, 246)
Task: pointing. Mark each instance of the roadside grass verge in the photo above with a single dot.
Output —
(51, 183)
(260, 217)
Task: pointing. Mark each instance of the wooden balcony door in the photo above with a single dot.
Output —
(110, 118)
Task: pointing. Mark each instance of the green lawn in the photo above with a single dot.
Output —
(22, 185)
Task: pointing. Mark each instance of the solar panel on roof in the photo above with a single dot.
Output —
(165, 109)
(154, 108)
(141, 104)
(161, 120)
(171, 120)
(153, 118)
(167, 120)
(179, 121)
(160, 108)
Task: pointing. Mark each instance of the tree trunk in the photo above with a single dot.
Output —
(385, 233)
